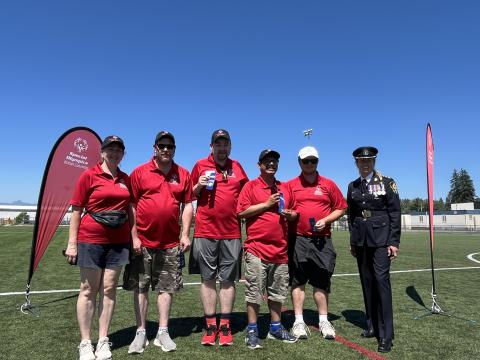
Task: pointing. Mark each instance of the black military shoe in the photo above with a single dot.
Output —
(367, 333)
(385, 345)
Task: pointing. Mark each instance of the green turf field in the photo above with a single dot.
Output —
(54, 333)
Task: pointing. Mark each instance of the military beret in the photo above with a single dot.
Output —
(365, 152)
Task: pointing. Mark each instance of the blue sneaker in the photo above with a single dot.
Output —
(252, 340)
(283, 335)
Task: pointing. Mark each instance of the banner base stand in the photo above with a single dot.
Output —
(437, 310)
(27, 308)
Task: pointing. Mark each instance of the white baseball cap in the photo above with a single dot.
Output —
(307, 151)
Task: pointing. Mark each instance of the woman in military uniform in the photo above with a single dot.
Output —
(374, 222)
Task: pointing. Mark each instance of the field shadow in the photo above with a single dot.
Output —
(415, 296)
(357, 318)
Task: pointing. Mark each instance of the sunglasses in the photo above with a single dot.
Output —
(309, 161)
(165, 146)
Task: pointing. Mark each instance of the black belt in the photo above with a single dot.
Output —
(370, 213)
(315, 237)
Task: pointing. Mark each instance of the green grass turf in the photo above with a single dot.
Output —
(54, 333)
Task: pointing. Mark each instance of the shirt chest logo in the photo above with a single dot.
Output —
(174, 180)
(122, 185)
(318, 191)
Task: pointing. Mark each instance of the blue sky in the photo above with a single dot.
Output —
(357, 72)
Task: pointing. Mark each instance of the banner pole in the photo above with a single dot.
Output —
(27, 306)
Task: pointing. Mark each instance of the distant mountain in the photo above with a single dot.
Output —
(18, 202)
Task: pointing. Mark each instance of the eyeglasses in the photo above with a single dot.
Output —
(309, 161)
(165, 146)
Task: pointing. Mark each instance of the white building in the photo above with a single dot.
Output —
(8, 213)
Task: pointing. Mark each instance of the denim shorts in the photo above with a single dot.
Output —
(102, 256)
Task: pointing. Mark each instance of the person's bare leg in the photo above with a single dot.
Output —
(89, 286)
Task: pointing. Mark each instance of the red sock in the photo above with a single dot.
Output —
(224, 320)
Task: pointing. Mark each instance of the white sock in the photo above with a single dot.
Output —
(162, 329)
(298, 318)
(322, 318)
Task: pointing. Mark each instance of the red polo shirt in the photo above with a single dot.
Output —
(216, 216)
(316, 201)
(158, 198)
(98, 191)
(267, 234)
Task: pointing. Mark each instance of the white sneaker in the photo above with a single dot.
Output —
(85, 350)
(164, 341)
(327, 330)
(300, 330)
(103, 349)
(139, 343)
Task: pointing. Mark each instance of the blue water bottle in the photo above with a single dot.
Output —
(312, 224)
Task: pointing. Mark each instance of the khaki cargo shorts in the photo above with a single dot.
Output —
(261, 277)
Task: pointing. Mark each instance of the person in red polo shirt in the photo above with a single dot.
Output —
(159, 189)
(217, 181)
(98, 243)
(312, 255)
(266, 204)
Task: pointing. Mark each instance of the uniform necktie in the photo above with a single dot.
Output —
(364, 184)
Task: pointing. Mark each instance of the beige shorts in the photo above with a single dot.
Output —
(158, 268)
(261, 277)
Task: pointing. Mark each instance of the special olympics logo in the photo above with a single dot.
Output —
(80, 144)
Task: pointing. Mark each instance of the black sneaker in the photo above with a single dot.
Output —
(283, 335)
(252, 340)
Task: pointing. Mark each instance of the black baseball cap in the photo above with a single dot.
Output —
(268, 153)
(365, 152)
(220, 133)
(164, 133)
(112, 139)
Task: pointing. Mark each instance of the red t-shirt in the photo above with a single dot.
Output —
(158, 198)
(98, 191)
(267, 234)
(316, 201)
(216, 216)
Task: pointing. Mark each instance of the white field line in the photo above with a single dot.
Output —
(470, 257)
(198, 283)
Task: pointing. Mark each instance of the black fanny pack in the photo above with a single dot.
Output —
(113, 218)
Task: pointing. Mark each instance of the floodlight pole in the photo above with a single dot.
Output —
(307, 133)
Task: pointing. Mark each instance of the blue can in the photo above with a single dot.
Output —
(181, 259)
(211, 174)
(281, 203)
(312, 224)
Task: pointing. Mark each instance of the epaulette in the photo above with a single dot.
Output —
(381, 177)
(379, 174)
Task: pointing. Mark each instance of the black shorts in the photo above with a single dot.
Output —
(312, 260)
(102, 256)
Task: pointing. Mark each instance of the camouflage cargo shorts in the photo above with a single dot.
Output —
(158, 268)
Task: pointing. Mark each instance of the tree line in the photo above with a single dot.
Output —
(462, 190)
